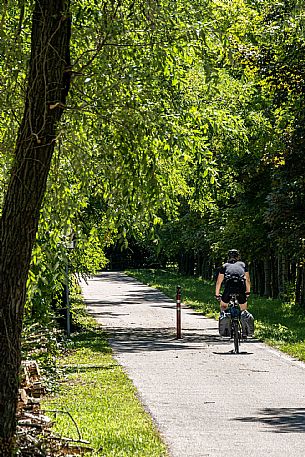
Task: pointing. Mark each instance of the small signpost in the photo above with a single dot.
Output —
(178, 308)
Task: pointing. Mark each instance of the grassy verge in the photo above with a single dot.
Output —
(101, 400)
(279, 324)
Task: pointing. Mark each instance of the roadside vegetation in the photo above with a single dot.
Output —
(99, 397)
(279, 323)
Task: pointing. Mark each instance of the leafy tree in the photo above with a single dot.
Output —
(277, 61)
(248, 109)
(122, 124)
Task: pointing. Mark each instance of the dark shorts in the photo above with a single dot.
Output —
(241, 296)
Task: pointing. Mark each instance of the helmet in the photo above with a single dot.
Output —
(233, 254)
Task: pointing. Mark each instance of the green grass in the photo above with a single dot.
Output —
(279, 324)
(102, 401)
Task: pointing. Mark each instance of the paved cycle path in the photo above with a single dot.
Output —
(205, 400)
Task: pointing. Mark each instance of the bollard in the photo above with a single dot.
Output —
(178, 301)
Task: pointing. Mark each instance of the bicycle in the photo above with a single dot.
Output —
(236, 328)
(234, 322)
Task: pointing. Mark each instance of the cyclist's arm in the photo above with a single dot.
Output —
(248, 283)
(220, 278)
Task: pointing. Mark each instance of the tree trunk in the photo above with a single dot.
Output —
(267, 272)
(274, 277)
(256, 278)
(279, 275)
(47, 87)
(283, 274)
(293, 272)
(285, 271)
(253, 277)
(300, 286)
(261, 278)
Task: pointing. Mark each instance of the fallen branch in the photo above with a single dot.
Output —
(69, 414)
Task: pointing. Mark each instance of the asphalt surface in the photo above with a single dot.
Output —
(205, 400)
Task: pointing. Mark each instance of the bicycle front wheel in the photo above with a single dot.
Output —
(236, 337)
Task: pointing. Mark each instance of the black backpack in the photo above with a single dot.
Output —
(235, 281)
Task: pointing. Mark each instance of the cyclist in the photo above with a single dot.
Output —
(237, 281)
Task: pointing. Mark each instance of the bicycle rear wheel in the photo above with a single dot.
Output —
(236, 337)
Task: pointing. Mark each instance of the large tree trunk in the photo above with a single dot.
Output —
(48, 84)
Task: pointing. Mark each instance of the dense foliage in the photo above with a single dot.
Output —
(256, 144)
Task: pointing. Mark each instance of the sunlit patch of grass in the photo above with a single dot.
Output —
(280, 324)
(103, 402)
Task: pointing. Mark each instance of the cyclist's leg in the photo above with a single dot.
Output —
(225, 299)
(243, 306)
(242, 300)
(223, 306)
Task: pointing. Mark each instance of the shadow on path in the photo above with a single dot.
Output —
(279, 420)
(114, 277)
(132, 340)
(135, 299)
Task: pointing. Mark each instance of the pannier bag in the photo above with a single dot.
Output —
(247, 323)
(224, 324)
